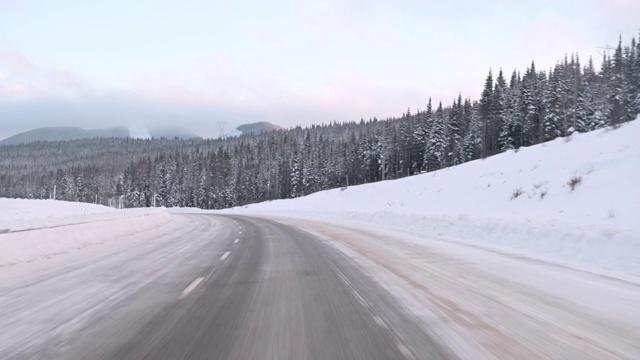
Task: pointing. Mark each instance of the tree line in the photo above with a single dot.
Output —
(529, 108)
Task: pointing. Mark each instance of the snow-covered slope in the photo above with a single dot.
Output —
(64, 133)
(139, 132)
(18, 214)
(253, 128)
(573, 200)
(234, 133)
(32, 229)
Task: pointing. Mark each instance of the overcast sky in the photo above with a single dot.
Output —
(194, 63)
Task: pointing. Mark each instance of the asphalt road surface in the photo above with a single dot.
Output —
(222, 287)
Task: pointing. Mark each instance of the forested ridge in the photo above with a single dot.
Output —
(520, 109)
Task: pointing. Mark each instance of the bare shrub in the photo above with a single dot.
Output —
(539, 184)
(516, 192)
(543, 193)
(574, 181)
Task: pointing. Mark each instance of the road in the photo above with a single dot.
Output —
(217, 287)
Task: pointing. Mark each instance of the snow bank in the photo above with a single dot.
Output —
(572, 200)
(21, 214)
(33, 229)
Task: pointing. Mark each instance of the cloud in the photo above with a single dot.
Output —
(622, 10)
(23, 79)
(223, 89)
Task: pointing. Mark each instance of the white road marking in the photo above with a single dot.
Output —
(192, 286)
(399, 344)
(236, 241)
(404, 350)
(380, 322)
(357, 295)
(239, 232)
(224, 256)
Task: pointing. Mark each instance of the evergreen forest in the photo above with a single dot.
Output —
(514, 110)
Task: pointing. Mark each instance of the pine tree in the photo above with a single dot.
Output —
(435, 156)
(511, 133)
(635, 79)
(498, 103)
(472, 143)
(486, 114)
(618, 89)
(456, 133)
(589, 101)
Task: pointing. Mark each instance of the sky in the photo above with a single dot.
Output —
(201, 64)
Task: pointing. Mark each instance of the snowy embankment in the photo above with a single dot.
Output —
(573, 200)
(33, 229)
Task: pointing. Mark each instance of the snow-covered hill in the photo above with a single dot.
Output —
(253, 128)
(573, 200)
(64, 133)
(139, 132)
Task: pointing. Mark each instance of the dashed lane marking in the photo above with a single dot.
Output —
(191, 286)
(380, 322)
(404, 350)
(224, 256)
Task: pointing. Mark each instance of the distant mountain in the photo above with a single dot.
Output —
(257, 128)
(64, 133)
(171, 132)
(253, 128)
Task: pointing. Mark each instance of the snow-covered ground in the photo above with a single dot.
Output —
(490, 254)
(139, 132)
(519, 202)
(233, 133)
(33, 229)
(484, 269)
(21, 214)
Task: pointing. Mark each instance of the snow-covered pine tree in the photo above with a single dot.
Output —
(511, 134)
(435, 155)
(486, 113)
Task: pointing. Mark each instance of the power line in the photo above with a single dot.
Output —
(605, 49)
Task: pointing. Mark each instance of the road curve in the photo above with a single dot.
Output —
(252, 289)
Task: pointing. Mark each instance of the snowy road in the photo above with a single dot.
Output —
(211, 288)
(487, 304)
(238, 287)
